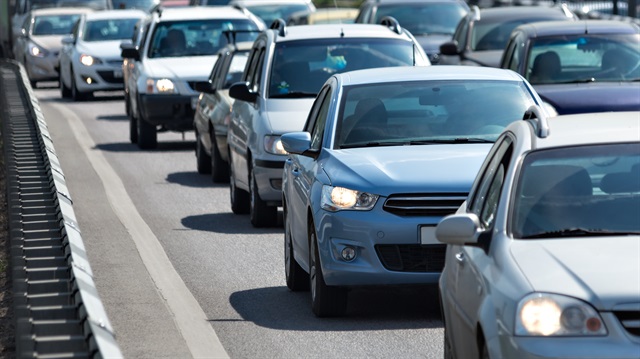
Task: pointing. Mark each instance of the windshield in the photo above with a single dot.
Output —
(94, 4)
(108, 30)
(425, 18)
(197, 37)
(144, 5)
(54, 24)
(269, 13)
(584, 58)
(578, 191)
(304, 66)
(429, 112)
(495, 35)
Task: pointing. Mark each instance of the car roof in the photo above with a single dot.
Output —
(590, 128)
(116, 14)
(406, 2)
(324, 31)
(550, 28)
(61, 10)
(422, 73)
(201, 12)
(505, 14)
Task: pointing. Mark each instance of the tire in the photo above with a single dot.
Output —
(76, 95)
(65, 91)
(484, 351)
(219, 167)
(203, 160)
(326, 301)
(133, 126)
(262, 215)
(33, 84)
(239, 199)
(127, 107)
(147, 133)
(448, 351)
(297, 278)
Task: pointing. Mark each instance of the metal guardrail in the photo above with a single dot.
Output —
(57, 310)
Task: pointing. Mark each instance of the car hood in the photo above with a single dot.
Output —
(591, 97)
(431, 43)
(101, 49)
(604, 271)
(486, 58)
(49, 42)
(288, 115)
(407, 169)
(199, 67)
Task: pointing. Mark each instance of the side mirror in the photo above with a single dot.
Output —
(205, 87)
(459, 229)
(240, 91)
(449, 48)
(297, 143)
(67, 40)
(129, 51)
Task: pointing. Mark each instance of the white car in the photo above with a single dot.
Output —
(90, 58)
(270, 10)
(543, 258)
(38, 44)
(177, 51)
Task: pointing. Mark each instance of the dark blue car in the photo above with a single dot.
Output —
(581, 66)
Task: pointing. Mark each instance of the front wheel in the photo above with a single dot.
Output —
(239, 199)
(219, 167)
(203, 160)
(147, 133)
(76, 94)
(297, 278)
(326, 301)
(262, 215)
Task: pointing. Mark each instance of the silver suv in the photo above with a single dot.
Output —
(287, 67)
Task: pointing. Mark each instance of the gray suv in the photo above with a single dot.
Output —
(286, 68)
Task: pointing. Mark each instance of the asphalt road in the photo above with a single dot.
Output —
(181, 276)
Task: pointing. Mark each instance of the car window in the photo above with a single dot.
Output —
(584, 58)
(193, 37)
(302, 67)
(235, 68)
(425, 18)
(252, 63)
(270, 12)
(577, 191)
(54, 24)
(429, 112)
(460, 34)
(215, 72)
(320, 120)
(108, 30)
(494, 35)
(256, 79)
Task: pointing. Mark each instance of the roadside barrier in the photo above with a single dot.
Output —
(57, 310)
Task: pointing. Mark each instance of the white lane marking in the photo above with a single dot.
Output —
(188, 315)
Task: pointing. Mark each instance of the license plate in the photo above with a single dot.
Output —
(194, 101)
(428, 235)
(117, 74)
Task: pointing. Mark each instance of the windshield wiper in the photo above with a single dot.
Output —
(376, 144)
(295, 94)
(580, 232)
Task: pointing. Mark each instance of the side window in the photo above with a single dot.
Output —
(257, 76)
(320, 120)
(144, 36)
(487, 192)
(251, 65)
(216, 71)
(315, 109)
(460, 34)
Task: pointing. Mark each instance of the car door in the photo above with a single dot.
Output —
(472, 261)
(66, 53)
(302, 172)
(205, 105)
(137, 69)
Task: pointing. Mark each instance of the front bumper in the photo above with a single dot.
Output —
(42, 68)
(175, 112)
(102, 77)
(388, 247)
(268, 174)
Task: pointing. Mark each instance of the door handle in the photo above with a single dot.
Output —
(460, 257)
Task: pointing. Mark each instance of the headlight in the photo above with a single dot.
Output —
(544, 314)
(340, 198)
(272, 144)
(160, 86)
(88, 60)
(36, 50)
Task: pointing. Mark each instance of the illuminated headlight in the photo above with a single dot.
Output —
(88, 60)
(543, 314)
(272, 144)
(160, 86)
(37, 51)
(340, 198)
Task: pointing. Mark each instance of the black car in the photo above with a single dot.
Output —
(432, 22)
(482, 35)
(580, 66)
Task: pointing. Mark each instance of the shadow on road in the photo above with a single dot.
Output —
(193, 179)
(386, 308)
(163, 146)
(113, 118)
(228, 223)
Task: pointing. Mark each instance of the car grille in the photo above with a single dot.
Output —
(630, 321)
(412, 257)
(116, 63)
(107, 76)
(431, 204)
(192, 84)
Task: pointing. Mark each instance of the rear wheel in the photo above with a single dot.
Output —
(297, 278)
(239, 199)
(219, 167)
(203, 160)
(262, 215)
(147, 133)
(326, 301)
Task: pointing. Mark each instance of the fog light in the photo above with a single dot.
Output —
(348, 254)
